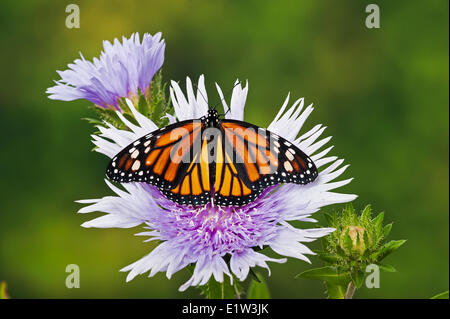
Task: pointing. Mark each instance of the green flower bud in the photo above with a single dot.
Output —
(352, 240)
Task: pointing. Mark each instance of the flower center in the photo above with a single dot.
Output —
(220, 230)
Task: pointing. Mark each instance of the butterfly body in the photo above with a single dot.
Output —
(195, 161)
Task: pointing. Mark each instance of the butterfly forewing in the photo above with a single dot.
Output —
(262, 159)
(159, 158)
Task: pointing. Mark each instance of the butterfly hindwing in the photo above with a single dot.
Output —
(194, 186)
(231, 184)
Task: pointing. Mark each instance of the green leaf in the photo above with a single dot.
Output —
(3, 290)
(386, 268)
(329, 218)
(258, 290)
(254, 276)
(130, 118)
(378, 224)
(349, 209)
(388, 249)
(367, 243)
(219, 290)
(327, 257)
(335, 291)
(366, 214)
(357, 277)
(442, 295)
(159, 105)
(143, 106)
(109, 116)
(387, 230)
(158, 111)
(93, 121)
(327, 274)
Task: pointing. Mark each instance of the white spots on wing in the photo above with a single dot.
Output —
(136, 165)
(132, 150)
(113, 164)
(147, 143)
(289, 156)
(147, 150)
(309, 165)
(288, 166)
(276, 150)
(276, 143)
(287, 143)
(291, 151)
(308, 172)
(141, 173)
(137, 143)
(135, 154)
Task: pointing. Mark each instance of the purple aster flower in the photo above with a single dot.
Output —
(205, 235)
(122, 69)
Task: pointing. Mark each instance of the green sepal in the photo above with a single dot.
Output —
(327, 257)
(348, 242)
(357, 277)
(377, 222)
(330, 219)
(366, 215)
(387, 230)
(108, 115)
(388, 249)
(386, 268)
(328, 274)
(92, 121)
(159, 104)
(143, 106)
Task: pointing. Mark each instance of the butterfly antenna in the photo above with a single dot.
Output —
(228, 93)
(215, 106)
(229, 109)
(199, 91)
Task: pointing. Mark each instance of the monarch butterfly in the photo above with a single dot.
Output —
(228, 161)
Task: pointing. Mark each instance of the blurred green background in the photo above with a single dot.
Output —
(383, 93)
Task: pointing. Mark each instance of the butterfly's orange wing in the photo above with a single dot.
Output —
(194, 187)
(161, 158)
(234, 167)
(252, 159)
